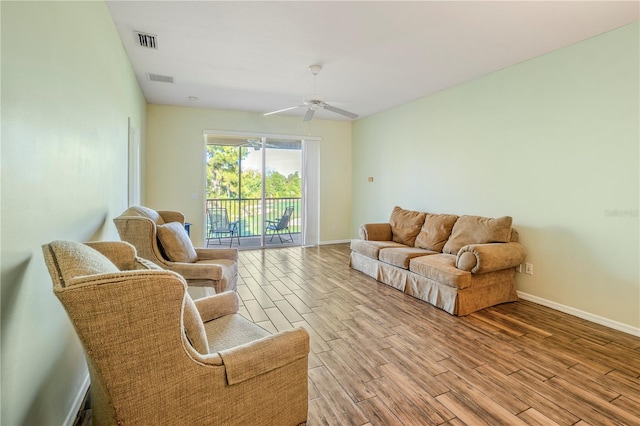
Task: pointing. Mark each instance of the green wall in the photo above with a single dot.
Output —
(67, 93)
(552, 142)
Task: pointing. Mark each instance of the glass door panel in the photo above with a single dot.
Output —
(283, 191)
(257, 183)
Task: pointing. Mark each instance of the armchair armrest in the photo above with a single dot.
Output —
(120, 253)
(481, 258)
(171, 216)
(215, 253)
(196, 271)
(264, 355)
(217, 306)
(375, 232)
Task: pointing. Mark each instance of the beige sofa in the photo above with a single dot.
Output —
(460, 264)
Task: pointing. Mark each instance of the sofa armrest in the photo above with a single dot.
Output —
(217, 306)
(375, 232)
(171, 216)
(481, 258)
(215, 253)
(263, 355)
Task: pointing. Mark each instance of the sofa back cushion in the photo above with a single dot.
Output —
(405, 225)
(478, 230)
(436, 231)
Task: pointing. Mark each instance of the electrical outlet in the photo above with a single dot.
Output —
(528, 268)
(519, 268)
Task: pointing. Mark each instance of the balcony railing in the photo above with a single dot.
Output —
(250, 214)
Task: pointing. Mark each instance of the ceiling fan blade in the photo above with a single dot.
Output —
(283, 110)
(339, 111)
(308, 115)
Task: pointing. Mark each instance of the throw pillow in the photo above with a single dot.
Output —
(436, 231)
(405, 225)
(478, 230)
(176, 243)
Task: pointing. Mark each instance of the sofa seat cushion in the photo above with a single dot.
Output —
(400, 256)
(441, 268)
(372, 248)
(478, 230)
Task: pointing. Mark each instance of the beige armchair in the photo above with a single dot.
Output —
(159, 236)
(156, 357)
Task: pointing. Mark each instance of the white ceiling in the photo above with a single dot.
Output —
(254, 56)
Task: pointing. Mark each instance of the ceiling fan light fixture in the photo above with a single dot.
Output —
(315, 69)
(315, 101)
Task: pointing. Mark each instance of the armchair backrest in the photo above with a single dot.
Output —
(144, 212)
(138, 226)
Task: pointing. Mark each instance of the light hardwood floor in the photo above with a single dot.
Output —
(379, 357)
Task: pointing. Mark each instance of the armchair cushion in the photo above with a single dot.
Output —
(405, 225)
(478, 230)
(230, 331)
(176, 243)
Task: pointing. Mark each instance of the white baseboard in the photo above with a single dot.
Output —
(635, 331)
(322, 243)
(77, 402)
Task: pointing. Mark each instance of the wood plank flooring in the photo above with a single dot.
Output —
(379, 357)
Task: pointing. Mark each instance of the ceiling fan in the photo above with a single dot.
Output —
(315, 101)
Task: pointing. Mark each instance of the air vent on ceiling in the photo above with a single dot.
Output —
(149, 41)
(161, 78)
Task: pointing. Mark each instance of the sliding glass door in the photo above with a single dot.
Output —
(257, 183)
